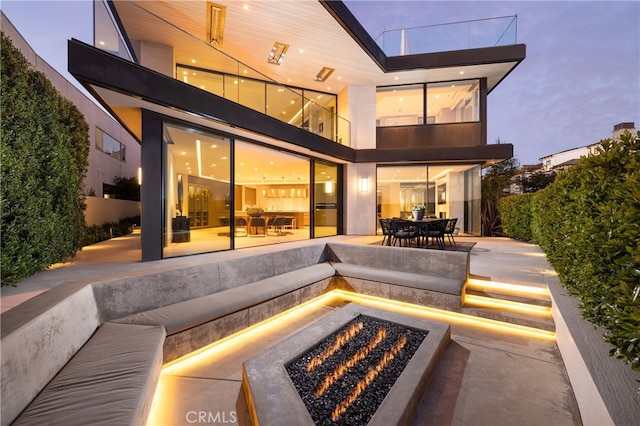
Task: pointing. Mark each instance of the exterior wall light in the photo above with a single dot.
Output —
(364, 184)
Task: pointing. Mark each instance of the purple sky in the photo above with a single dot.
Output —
(580, 78)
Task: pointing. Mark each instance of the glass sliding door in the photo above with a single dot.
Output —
(326, 199)
(271, 196)
(197, 192)
(446, 191)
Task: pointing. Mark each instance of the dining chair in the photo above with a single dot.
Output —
(403, 230)
(258, 223)
(435, 231)
(385, 226)
(241, 225)
(451, 226)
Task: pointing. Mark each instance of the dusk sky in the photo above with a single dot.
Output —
(581, 75)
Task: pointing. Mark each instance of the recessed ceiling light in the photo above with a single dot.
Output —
(193, 61)
(461, 72)
(397, 77)
(277, 53)
(245, 7)
(323, 74)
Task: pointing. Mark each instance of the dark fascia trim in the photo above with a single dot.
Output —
(352, 26)
(456, 58)
(92, 66)
(481, 154)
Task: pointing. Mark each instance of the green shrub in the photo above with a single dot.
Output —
(96, 233)
(44, 159)
(515, 213)
(588, 224)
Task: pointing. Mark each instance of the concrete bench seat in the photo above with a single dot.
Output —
(110, 380)
(190, 313)
(426, 277)
(196, 322)
(407, 279)
(57, 369)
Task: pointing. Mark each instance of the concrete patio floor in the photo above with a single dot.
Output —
(486, 377)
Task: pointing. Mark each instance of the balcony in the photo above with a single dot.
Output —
(480, 33)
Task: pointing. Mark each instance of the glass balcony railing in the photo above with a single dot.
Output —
(490, 32)
(224, 76)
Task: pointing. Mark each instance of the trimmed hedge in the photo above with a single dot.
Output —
(97, 233)
(515, 213)
(44, 159)
(588, 224)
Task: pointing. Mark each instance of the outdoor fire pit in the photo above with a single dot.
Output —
(355, 366)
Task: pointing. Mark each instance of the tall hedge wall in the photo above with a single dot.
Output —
(588, 224)
(44, 158)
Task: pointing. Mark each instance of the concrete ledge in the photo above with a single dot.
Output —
(606, 389)
(111, 380)
(40, 339)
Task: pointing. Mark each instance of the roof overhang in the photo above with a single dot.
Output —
(320, 33)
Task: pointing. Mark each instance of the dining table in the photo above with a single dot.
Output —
(422, 225)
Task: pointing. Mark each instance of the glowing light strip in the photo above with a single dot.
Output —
(487, 302)
(199, 153)
(368, 378)
(252, 332)
(445, 316)
(517, 288)
(338, 342)
(330, 379)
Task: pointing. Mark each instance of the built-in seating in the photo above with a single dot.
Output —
(57, 366)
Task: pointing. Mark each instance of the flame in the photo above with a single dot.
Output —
(330, 379)
(368, 378)
(339, 341)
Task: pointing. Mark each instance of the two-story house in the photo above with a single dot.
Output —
(290, 111)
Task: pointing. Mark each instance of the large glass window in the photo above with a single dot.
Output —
(400, 105)
(447, 102)
(453, 102)
(271, 194)
(326, 199)
(197, 197)
(313, 111)
(446, 191)
(110, 145)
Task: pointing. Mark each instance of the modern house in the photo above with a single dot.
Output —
(292, 109)
(114, 152)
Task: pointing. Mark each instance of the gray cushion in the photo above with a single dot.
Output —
(191, 313)
(111, 380)
(406, 279)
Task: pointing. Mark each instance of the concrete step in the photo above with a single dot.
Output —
(540, 322)
(523, 303)
(530, 294)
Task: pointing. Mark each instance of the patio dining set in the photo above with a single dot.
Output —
(423, 233)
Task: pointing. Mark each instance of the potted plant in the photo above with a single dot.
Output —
(418, 212)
